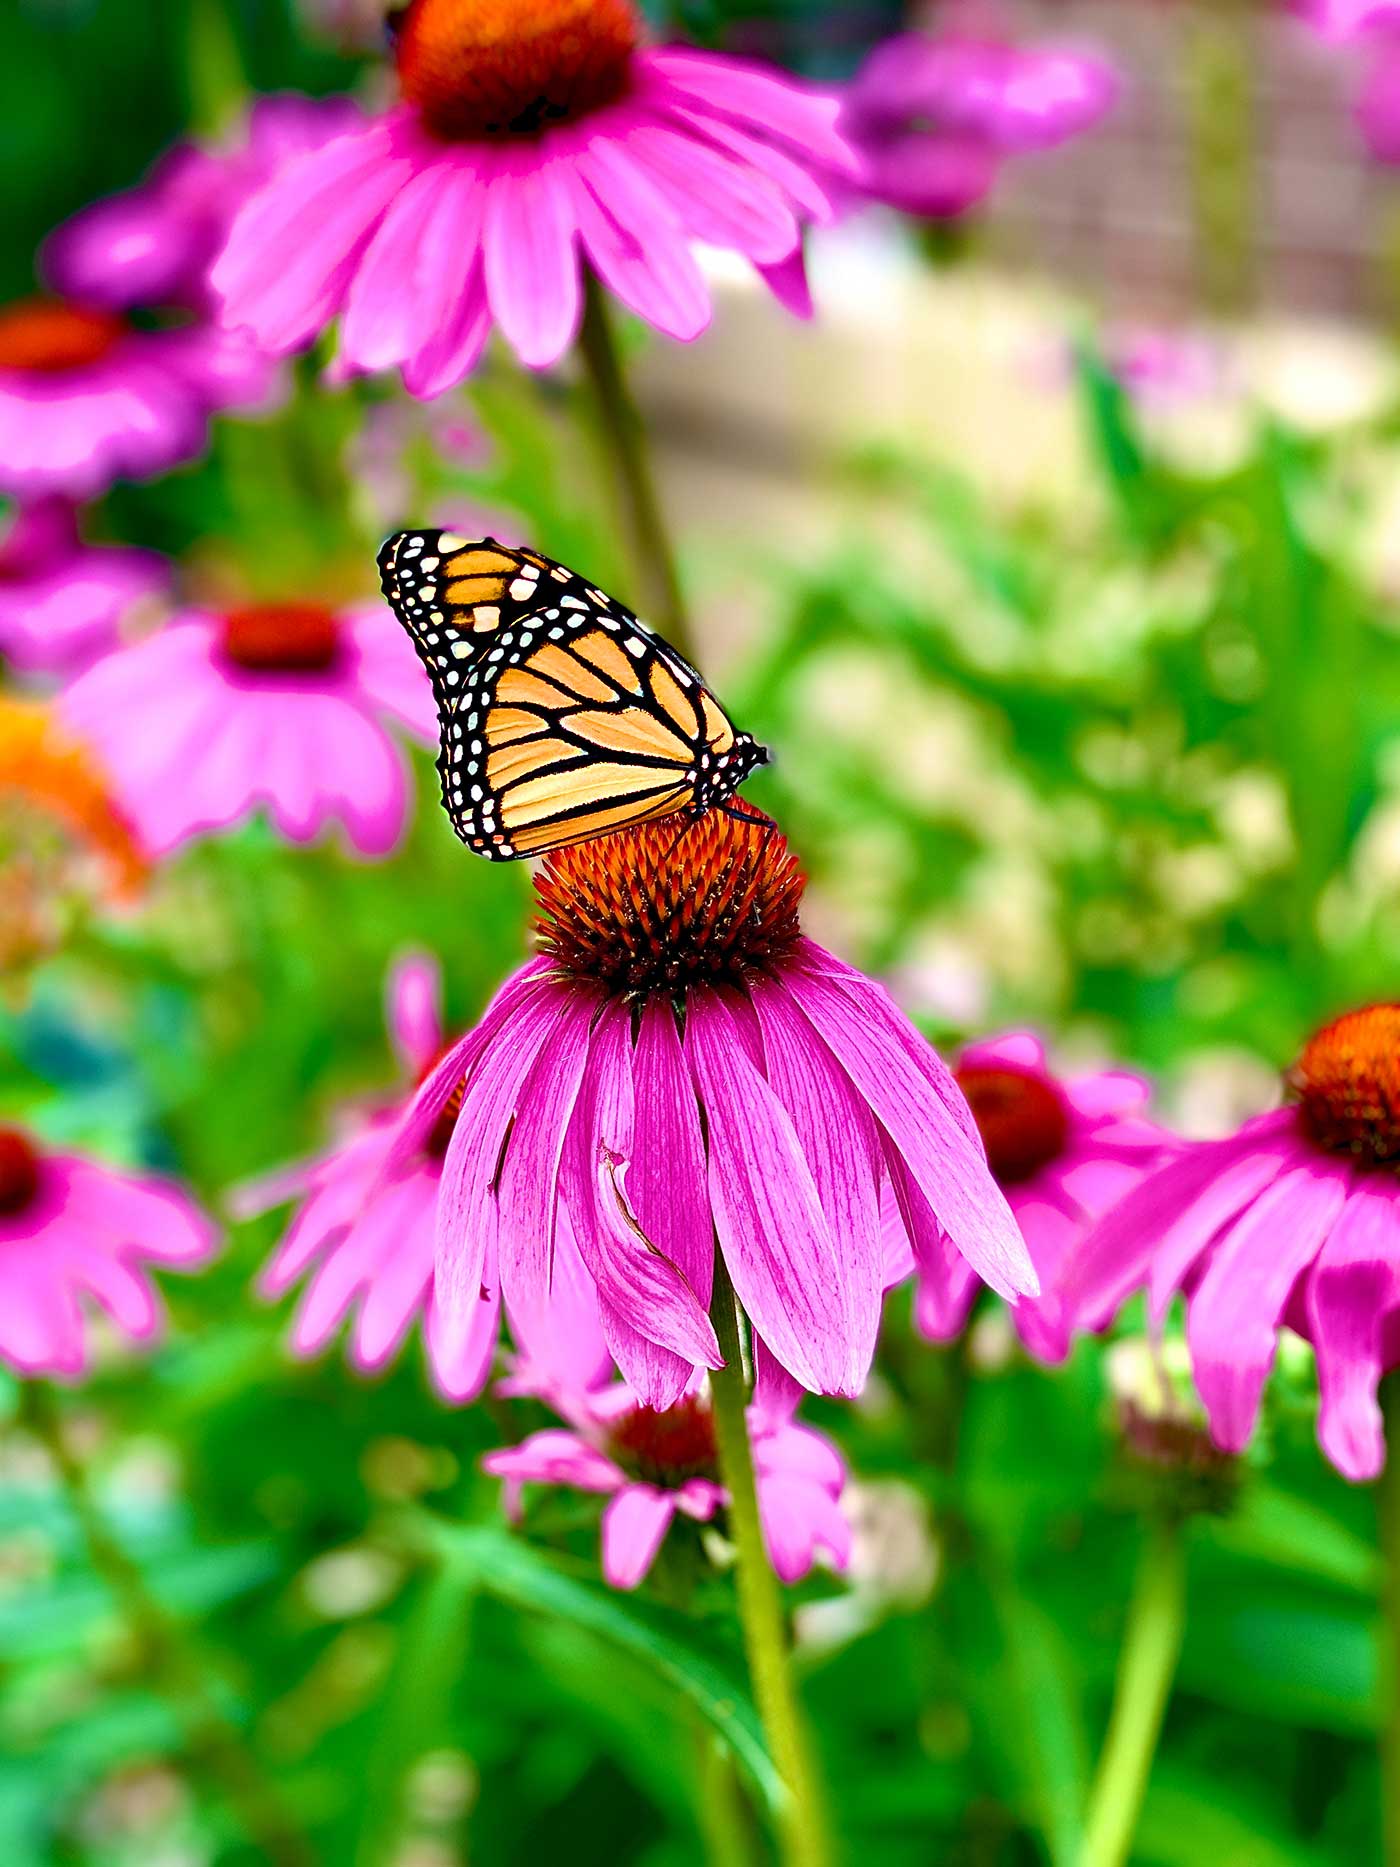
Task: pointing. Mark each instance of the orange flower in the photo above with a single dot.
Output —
(57, 826)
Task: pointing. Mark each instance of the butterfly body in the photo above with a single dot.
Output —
(563, 717)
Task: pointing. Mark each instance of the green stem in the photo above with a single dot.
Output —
(624, 436)
(805, 1841)
(1146, 1667)
(1388, 1509)
(726, 1831)
(1220, 65)
(214, 1742)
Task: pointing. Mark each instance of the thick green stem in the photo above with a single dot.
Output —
(214, 1742)
(1146, 1668)
(1388, 1510)
(624, 437)
(804, 1836)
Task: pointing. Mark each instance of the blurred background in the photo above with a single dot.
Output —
(1057, 559)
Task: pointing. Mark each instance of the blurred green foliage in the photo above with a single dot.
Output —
(1170, 720)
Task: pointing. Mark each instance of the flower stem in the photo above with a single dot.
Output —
(1146, 1667)
(1388, 1510)
(805, 1840)
(625, 440)
(213, 1740)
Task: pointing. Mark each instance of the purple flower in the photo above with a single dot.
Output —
(277, 706)
(654, 1465)
(72, 1233)
(87, 398)
(934, 119)
(153, 245)
(366, 1248)
(683, 1065)
(62, 603)
(1293, 1221)
(532, 139)
(1063, 1151)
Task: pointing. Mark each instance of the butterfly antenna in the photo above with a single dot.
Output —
(747, 813)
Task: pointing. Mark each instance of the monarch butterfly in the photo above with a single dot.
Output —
(562, 716)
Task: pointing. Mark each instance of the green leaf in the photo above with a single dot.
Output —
(512, 1572)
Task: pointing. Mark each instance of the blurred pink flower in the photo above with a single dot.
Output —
(1378, 105)
(933, 119)
(1345, 20)
(681, 1065)
(62, 602)
(531, 138)
(153, 244)
(652, 1465)
(87, 398)
(1294, 1220)
(1063, 1150)
(278, 706)
(74, 1232)
(365, 1243)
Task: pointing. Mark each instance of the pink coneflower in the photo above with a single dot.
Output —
(74, 1233)
(87, 398)
(682, 1065)
(277, 706)
(153, 245)
(62, 603)
(654, 1466)
(935, 118)
(1063, 1150)
(366, 1246)
(530, 137)
(1294, 1220)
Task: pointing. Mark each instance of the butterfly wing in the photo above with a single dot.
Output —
(453, 594)
(563, 717)
(576, 723)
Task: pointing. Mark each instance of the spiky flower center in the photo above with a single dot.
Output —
(512, 67)
(45, 336)
(1347, 1082)
(1022, 1119)
(671, 904)
(287, 637)
(667, 1448)
(19, 1171)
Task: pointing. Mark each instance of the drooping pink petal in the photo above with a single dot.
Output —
(715, 198)
(467, 1208)
(293, 248)
(636, 1281)
(1232, 1321)
(1354, 1287)
(1177, 1211)
(768, 1215)
(525, 987)
(798, 1519)
(787, 280)
(560, 1338)
(532, 278)
(413, 1010)
(841, 1145)
(870, 1039)
(555, 1457)
(775, 106)
(530, 1176)
(634, 1526)
(634, 244)
(776, 1395)
(666, 1176)
(461, 1349)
